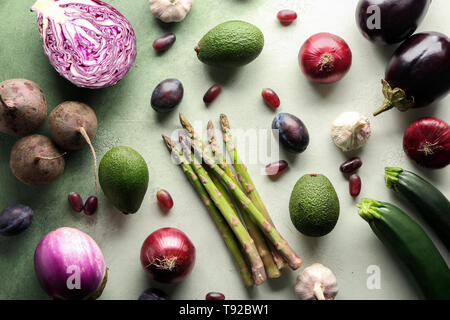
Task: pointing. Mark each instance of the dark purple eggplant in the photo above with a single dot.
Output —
(418, 74)
(398, 19)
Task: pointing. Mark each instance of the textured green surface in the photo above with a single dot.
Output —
(123, 176)
(126, 118)
(314, 205)
(231, 44)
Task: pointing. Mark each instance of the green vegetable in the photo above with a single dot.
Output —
(246, 181)
(269, 231)
(123, 176)
(230, 44)
(260, 243)
(230, 215)
(429, 201)
(410, 243)
(314, 205)
(222, 225)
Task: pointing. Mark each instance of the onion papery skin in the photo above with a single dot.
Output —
(167, 255)
(88, 42)
(325, 58)
(427, 142)
(59, 254)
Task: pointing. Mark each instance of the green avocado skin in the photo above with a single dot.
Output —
(231, 44)
(123, 176)
(314, 205)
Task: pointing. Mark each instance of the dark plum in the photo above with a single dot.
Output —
(15, 219)
(418, 74)
(292, 132)
(398, 19)
(153, 294)
(167, 95)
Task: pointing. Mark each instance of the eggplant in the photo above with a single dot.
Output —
(418, 73)
(398, 19)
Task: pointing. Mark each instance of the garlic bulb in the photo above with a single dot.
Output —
(170, 10)
(350, 131)
(316, 282)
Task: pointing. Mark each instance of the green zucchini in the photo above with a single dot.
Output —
(407, 240)
(429, 201)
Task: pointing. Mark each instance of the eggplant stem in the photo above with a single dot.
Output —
(387, 105)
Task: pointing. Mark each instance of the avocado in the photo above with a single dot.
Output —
(314, 205)
(123, 176)
(230, 44)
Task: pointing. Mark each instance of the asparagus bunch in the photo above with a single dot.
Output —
(258, 218)
(271, 267)
(231, 224)
(246, 182)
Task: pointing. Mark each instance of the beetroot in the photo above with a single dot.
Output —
(35, 160)
(72, 126)
(23, 107)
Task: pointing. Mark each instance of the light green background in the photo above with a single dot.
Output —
(125, 118)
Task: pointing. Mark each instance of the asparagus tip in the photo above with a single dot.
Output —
(169, 143)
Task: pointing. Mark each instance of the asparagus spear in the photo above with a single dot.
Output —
(260, 243)
(244, 178)
(222, 225)
(269, 230)
(230, 215)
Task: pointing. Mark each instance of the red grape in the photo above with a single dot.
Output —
(271, 98)
(354, 185)
(286, 16)
(215, 296)
(75, 201)
(164, 199)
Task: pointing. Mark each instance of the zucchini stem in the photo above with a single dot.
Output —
(367, 209)
(391, 176)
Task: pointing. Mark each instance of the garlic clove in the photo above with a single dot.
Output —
(316, 282)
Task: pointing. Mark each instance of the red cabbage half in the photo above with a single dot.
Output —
(88, 42)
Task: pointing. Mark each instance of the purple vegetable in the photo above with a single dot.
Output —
(15, 219)
(398, 19)
(88, 42)
(70, 265)
(292, 132)
(153, 294)
(418, 74)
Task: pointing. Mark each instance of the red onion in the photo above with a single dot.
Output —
(325, 58)
(70, 265)
(427, 142)
(167, 255)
